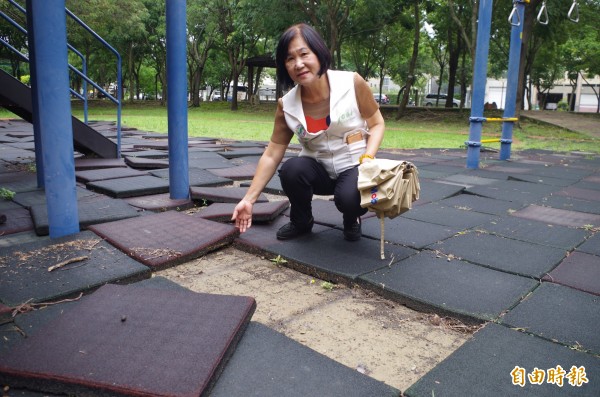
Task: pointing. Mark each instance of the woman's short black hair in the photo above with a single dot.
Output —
(315, 43)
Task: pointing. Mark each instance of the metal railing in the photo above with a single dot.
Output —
(82, 74)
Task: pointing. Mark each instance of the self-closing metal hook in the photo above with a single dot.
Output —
(544, 12)
(511, 17)
(574, 8)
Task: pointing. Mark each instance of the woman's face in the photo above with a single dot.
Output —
(301, 63)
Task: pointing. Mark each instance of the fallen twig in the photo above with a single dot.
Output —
(27, 307)
(66, 262)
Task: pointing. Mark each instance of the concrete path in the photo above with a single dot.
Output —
(584, 123)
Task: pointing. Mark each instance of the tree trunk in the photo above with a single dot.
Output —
(410, 79)
(454, 49)
(528, 22)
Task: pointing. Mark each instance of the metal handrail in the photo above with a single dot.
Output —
(24, 57)
(117, 100)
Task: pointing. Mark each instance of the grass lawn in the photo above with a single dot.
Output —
(423, 129)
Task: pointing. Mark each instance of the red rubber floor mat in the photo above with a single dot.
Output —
(557, 216)
(132, 341)
(166, 239)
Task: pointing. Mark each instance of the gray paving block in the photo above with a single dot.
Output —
(483, 366)
(267, 363)
(327, 255)
(542, 233)
(559, 314)
(518, 257)
(430, 282)
(448, 216)
(25, 274)
(408, 232)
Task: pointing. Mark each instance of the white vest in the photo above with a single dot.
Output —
(329, 146)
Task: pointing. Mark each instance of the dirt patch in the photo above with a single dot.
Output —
(353, 326)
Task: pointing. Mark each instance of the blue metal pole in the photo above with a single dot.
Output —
(37, 139)
(514, 59)
(54, 108)
(177, 95)
(479, 81)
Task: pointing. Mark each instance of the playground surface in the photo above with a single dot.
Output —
(490, 286)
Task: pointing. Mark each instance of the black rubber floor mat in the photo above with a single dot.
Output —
(197, 177)
(325, 213)
(90, 212)
(130, 187)
(328, 256)
(270, 364)
(222, 194)
(118, 341)
(166, 239)
(261, 212)
(408, 232)
(38, 196)
(588, 183)
(17, 220)
(435, 283)
(556, 216)
(521, 192)
(470, 202)
(448, 216)
(84, 262)
(93, 163)
(209, 163)
(542, 233)
(578, 270)
(148, 154)
(557, 313)
(159, 203)
(21, 182)
(434, 191)
(241, 172)
(147, 164)
(545, 180)
(272, 187)
(518, 257)
(106, 173)
(496, 352)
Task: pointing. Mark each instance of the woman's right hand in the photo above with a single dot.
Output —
(242, 215)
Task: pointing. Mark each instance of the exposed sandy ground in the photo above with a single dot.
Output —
(351, 325)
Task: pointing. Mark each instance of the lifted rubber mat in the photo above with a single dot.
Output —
(434, 191)
(327, 255)
(90, 212)
(106, 173)
(527, 230)
(93, 163)
(119, 341)
(408, 232)
(557, 313)
(241, 172)
(470, 202)
(267, 363)
(222, 194)
(147, 164)
(131, 187)
(555, 216)
(448, 216)
(580, 271)
(197, 177)
(261, 212)
(166, 239)
(483, 367)
(25, 275)
(232, 154)
(159, 203)
(520, 192)
(431, 282)
(518, 257)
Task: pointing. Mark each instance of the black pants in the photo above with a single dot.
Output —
(301, 177)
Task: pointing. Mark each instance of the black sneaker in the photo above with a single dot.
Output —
(353, 232)
(289, 230)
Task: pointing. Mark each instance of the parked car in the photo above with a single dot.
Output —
(384, 100)
(216, 96)
(431, 99)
